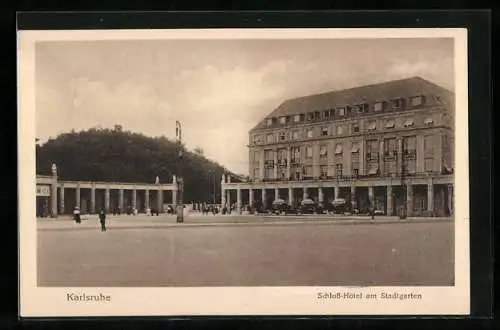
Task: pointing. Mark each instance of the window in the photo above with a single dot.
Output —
(416, 100)
(341, 111)
(256, 172)
(397, 103)
(338, 169)
(323, 152)
(428, 121)
(338, 149)
(257, 139)
(269, 122)
(379, 106)
(355, 171)
(363, 108)
(283, 120)
(309, 152)
(282, 136)
(324, 131)
(256, 156)
(409, 143)
(409, 123)
(340, 130)
(295, 151)
(428, 146)
(269, 173)
(355, 159)
(308, 170)
(269, 138)
(317, 115)
(390, 124)
(310, 133)
(372, 125)
(326, 114)
(310, 116)
(296, 118)
(355, 148)
(323, 171)
(295, 135)
(355, 128)
(268, 155)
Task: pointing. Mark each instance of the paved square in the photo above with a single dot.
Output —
(153, 251)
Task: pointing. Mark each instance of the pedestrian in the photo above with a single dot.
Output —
(372, 211)
(76, 214)
(102, 218)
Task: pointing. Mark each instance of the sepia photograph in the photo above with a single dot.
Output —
(258, 161)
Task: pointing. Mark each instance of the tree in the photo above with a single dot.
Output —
(199, 151)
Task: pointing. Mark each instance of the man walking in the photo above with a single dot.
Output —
(102, 218)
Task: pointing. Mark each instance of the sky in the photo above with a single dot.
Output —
(217, 89)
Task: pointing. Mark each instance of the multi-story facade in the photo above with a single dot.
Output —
(386, 145)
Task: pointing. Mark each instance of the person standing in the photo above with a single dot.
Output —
(102, 218)
(76, 214)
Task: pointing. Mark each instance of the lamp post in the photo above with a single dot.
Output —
(180, 179)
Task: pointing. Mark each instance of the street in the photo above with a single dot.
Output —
(154, 251)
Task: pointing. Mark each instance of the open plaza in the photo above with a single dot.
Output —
(141, 251)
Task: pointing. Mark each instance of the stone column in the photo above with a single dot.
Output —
(228, 198)
(53, 195)
(320, 195)
(381, 157)
(134, 198)
(290, 196)
(159, 200)
(371, 196)
(61, 200)
(120, 200)
(450, 199)
(238, 199)
(250, 196)
(78, 198)
(275, 168)
(409, 200)
(305, 195)
(263, 196)
(146, 199)
(276, 193)
(92, 199)
(353, 193)
(430, 198)
(222, 197)
(288, 161)
(336, 192)
(389, 200)
(106, 200)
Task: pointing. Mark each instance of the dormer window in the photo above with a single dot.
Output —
(428, 121)
(363, 108)
(282, 120)
(409, 123)
(324, 131)
(317, 115)
(379, 106)
(332, 113)
(296, 118)
(341, 111)
(397, 103)
(372, 126)
(326, 114)
(417, 100)
(390, 124)
(310, 116)
(269, 122)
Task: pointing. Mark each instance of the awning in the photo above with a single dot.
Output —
(390, 124)
(338, 149)
(409, 123)
(372, 125)
(355, 148)
(428, 121)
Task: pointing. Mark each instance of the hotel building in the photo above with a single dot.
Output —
(386, 145)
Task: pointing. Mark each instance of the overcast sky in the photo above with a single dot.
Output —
(218, 89)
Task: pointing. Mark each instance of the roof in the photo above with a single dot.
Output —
(362, 94)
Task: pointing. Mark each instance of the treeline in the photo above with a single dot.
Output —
(121, 156)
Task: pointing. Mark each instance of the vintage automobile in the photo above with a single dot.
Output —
(341, 206)
(280, 206)
(309, 206)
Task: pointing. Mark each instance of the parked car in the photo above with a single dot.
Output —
(309, 206)
(341, 206)
(280, 206)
